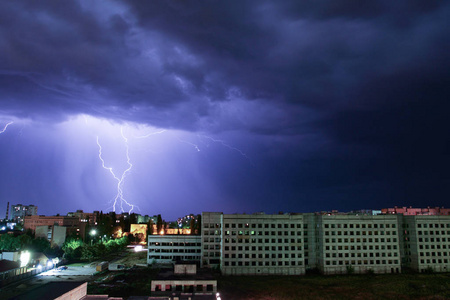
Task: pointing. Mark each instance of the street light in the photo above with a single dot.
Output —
(93, 233)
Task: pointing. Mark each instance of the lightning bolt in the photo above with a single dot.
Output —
(226, 145)
(120, 180)
(6, 126)
(189, 143)
(150, 134)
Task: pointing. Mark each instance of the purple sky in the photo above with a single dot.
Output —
(233, 106)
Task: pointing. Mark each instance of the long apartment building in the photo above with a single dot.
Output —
(290, 244)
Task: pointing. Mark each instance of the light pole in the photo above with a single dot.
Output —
(93, 233)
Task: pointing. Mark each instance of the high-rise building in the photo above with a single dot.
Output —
(19, 211)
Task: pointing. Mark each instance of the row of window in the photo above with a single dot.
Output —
(265, 248)
(363, 240)
(431, 232)
(266, 225)
(361, 262)
(365, 254)
(261, 255)
(359, 225)
(434, 254)
(363, 232)
(434, 261)
(434, 240)
(433, 246)
(174, 244)
(435, 225)
(265, 241)
(174, 250)
(363, 247)
(182, 257)
(253, 232)
(262, 263)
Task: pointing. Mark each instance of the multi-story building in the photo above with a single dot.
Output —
(31, 222)
(19, 211)
(426, 243)
(357, 243)
(334, 244)
(172, 248)
(90, 218)
(253, 244)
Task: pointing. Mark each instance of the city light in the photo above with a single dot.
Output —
(138, 248)
(24, 258)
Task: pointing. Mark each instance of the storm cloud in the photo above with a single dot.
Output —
(309, 105)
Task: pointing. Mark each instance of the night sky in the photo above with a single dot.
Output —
(233, 106)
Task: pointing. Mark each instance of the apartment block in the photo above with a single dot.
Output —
(426, 242)
(253, 244)
(172, 248)
(19, 211)
(357, 243)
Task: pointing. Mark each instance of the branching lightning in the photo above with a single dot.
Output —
(6, 126)
(226, 145)
(120, 180)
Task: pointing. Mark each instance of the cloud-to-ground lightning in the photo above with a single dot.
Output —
(6, 126)
(120, 180)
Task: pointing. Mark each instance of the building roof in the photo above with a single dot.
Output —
(49, 290)
(6, 265)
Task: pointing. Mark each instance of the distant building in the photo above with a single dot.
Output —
(410, 211)
(71, 225)
(90, 218)
(19, 211)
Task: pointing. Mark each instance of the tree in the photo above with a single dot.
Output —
(150, 227)
(159, 224)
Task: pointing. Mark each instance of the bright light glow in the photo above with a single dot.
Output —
(3, 228)
(49, 264)
(161, 232)
(93, 232)
(24, 258)
(138, 248)
(39, 267)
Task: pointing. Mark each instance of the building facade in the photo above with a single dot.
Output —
(426, 243)
(172, 248)
(31, 222)
(290, 244)
(19, 211)
(357, 243)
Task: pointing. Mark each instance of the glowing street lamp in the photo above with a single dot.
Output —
(93, 233)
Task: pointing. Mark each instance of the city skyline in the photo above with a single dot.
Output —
(250, 106)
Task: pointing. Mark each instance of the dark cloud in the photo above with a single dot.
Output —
(335, 100)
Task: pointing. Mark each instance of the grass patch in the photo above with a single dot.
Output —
(398, 286)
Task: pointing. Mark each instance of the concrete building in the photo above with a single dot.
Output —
(357, 243)
(184, 282)
(19, 211)
(56, 235)
(31, 222)
(289, 244)
(253, 244)
(426, 243)
(172, 248)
